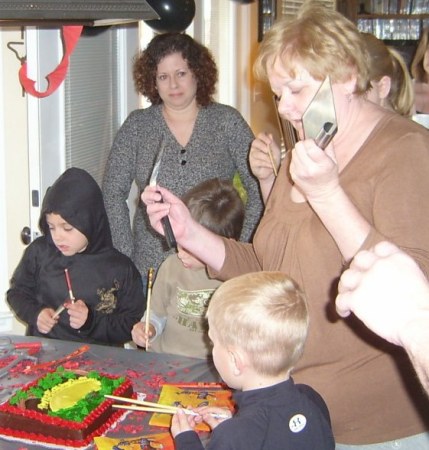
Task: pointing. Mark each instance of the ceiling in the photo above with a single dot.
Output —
(86, 12)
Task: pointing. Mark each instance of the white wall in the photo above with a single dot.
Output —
(14, 201)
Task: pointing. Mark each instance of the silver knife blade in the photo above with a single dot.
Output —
(319, 119)
(155, 171)
(168, 231)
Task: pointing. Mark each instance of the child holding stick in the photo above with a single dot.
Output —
(258, 326)
(75, 260)
(182, 288)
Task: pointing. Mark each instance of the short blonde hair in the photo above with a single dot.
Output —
(264, 314)
(320, 39)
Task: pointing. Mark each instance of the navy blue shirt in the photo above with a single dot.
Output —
(286, 416)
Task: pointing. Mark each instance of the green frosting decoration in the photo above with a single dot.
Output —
(79, 411)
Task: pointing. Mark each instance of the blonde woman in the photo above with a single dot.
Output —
(391, 83)
(420, 74)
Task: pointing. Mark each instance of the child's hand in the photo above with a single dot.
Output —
(78, 312)
(139, 335)
(213, 415)
(182, 422)
(46, 321)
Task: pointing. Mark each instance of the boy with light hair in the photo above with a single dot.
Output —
(258, 325)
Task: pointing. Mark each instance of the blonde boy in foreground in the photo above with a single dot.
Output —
(258, 325)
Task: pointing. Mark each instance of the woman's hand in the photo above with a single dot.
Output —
(205, 245)
(46, 321)
(150, 195)
(261, 163)
(160, 202)
(78, 312)
(313, 170)
(139, 335)
(260, 160)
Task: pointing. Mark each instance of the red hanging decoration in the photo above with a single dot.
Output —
(70, 35)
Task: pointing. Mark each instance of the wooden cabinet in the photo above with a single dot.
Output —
(388, 19)
(397, 22)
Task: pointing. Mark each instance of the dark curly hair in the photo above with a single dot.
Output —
(198, 57)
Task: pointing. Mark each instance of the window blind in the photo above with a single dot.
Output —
(93, 99)
(91, 102)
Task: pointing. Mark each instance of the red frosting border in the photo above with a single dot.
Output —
(63, 423)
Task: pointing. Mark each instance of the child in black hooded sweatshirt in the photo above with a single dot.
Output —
(106, 286)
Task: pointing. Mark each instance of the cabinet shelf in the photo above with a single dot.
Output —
(399, 30)
(358, 9)
(392, 16)
(392, 26)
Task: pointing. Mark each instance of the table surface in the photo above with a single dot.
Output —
(147, 371)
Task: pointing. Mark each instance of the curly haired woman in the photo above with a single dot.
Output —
(203, 139)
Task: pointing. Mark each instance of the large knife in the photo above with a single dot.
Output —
(319, 119)
(165, 221)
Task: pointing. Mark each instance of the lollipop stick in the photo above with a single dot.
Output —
(149, 295)
(69, 286)
(270, 153)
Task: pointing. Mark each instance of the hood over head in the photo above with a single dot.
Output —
(77, 198)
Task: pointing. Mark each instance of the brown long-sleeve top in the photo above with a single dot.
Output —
(369, 385)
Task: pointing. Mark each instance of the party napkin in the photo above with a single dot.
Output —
(191, 395)
(162, 441)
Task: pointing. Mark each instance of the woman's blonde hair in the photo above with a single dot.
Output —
(321, 40)
(386, 61)
(418, 71)
(264, 314)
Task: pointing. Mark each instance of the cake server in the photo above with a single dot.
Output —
(319, 119)
(165, 221)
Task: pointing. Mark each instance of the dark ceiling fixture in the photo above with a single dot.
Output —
(75, 12)
(161, 15)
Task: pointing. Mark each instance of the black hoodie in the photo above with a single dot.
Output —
(105, 279)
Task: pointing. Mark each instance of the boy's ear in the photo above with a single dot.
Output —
(237, 360)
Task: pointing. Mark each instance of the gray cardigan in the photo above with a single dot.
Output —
(218, 147)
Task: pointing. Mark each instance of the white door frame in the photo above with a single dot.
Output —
(14, 203)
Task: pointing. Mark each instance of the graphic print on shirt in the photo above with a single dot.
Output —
(108, 298)
(192, 308)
